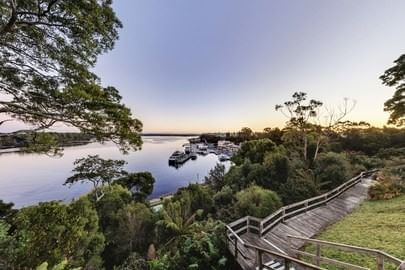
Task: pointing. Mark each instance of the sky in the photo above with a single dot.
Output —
(220, 65)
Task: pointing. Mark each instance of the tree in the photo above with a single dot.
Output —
(6, 209)
(47, 51)
(245, 133)
(308, 124)
(395, 76)
(300, 115)
(140, 184)
(216, 177)
(177, 220)
(256, 201)
(98, 171)
(204, 249)
(134, 232)
(195, 197)
(331, 170)
(254, 150)
(53, 231)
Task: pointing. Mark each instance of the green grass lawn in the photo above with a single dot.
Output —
(375, 224)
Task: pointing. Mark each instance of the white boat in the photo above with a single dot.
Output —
(223, 157)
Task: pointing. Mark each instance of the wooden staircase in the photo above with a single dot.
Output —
(274, 242)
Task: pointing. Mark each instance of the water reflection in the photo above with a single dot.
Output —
(29, 178)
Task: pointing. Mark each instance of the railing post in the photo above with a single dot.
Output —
(236, 247)
(259, 259)
(380, 262)
(247, 224)
(306, 206)
(260, 229)
(283, 219)
(290, 249)
(286, 264)
(318, 254)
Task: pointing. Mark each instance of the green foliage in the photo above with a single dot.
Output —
(177, 221)
(53, 231)
(116, 197)
(256, 201)
(390, 183)
(133, 262)
(140, 184)
(197, 196)
(216, 177)
(331, 170)
(133, 233)
(298, 187)
(240, 177)
(395, 76)
(98, 171)
(253, 150)
(224, 201)
(60, 266)
(372, 140)
(47, 53)
(204, 249)
(6, 209)
(278, 169)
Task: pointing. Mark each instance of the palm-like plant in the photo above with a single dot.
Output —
(178, 219)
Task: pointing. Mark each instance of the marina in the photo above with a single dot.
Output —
(223, 149)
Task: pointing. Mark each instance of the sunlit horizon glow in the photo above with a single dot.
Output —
(218, 66)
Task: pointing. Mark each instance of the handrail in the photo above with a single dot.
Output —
(380, 255)
(259, 251)
(273, 219)
(244, 225)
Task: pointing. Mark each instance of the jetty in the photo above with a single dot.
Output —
(275, 242)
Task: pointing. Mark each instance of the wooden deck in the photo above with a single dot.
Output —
(314, 221)
(318, 213)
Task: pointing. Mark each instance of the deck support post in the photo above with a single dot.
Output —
(259, 259)
(380, 262)
(286, 264)
(236, 248)
(318, 255)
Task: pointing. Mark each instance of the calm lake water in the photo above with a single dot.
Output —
(27, 179)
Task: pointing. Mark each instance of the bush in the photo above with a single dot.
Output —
(387, 187)
(254, 151)
(297, 188)
(256, 201)
(331, 170)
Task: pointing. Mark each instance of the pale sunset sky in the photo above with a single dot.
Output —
(219, 65)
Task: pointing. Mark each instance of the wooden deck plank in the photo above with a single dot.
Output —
(307, 224)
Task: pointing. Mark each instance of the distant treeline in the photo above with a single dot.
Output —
(63, 139)
(171, 134)
(365, 140)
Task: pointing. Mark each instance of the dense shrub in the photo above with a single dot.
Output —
(200, 197)
(52, 231)
(331, 170)
(240, 177)
(224, 202)
(389, 186)
(297, 188)
(256, 201)
(254, 150)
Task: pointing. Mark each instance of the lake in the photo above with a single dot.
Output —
(26, 179)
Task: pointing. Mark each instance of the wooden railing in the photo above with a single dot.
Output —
(317, 258)
(262, 226)
(300, 207)
(238, 248)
